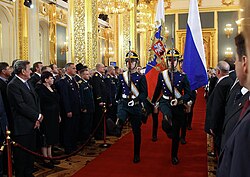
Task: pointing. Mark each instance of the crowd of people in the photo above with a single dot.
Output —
(52, 106)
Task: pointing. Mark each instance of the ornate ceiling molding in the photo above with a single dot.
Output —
(227, 2)
(200, 3)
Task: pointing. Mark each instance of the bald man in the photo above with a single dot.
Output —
(215, 111)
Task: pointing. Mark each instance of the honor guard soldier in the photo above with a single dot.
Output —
(131, 92)
(171, 103)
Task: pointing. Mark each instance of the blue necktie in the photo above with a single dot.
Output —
(27, 85)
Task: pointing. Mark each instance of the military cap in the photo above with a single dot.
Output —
(79, 67)
(132, 55)
(173, 53)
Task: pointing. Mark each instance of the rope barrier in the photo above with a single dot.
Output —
(63, 156)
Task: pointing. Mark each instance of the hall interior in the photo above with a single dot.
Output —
(99, 31)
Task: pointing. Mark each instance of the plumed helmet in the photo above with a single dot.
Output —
(173, 52)
(132, 55)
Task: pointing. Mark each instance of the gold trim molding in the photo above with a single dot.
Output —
(209, 39)
(227, 2)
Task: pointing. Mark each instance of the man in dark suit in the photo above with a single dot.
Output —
(215, 111)
(234, 106)
(26, 117)
(234, 159)
(5, 73)
(36, 77)
(87, 105)
(70, 107)
(3, 121)
(101, 98)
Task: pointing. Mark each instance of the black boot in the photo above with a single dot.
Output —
(136, 159)
(175, 160)
(118, 128)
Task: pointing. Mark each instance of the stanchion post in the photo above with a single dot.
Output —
(104, 145)
(8, 144)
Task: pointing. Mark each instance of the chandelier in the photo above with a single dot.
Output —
(114, 6)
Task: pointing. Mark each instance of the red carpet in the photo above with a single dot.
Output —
(155, 156)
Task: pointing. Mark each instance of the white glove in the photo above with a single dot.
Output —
(190, 103)
(131, 103)
(174, 102)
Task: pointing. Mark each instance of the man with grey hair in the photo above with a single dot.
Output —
(27, 117)
(215, 111)
(100, 97)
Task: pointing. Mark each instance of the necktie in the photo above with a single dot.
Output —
(27, 85)
(247, 103)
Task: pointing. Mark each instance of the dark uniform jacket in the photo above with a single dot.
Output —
(181, 83)
(111, 87)
(86, 95)
(69, 95)
(100, 89)
(139, 82)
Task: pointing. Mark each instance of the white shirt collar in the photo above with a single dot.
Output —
(221, 78)
(38, 74)
(244, 90)
(21, 78)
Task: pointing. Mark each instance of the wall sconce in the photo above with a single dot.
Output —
(228, 52)
(228, 30)
(64, 48)
(166, 32)
(111, 52)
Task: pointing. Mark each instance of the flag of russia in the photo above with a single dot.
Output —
(194, 64)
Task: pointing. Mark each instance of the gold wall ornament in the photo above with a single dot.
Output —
(209, 36)
(93, 57)
(61, 16)
(43, 8)
(78, 31)
(52, 33)
(114, 6)
(227, 2)
(200, 3)
(168, 4)
(23, 42)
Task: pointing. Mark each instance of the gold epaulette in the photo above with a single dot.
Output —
(96, 74)
(80, 81)
(98, 98)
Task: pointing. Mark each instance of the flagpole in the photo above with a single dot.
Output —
(172, 63)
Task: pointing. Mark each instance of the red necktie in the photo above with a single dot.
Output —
(247, 103)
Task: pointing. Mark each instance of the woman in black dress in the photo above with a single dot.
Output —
(49, 102)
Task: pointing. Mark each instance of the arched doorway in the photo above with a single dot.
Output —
(7, 41)
(44, 41)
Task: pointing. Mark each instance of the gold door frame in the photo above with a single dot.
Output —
(209, 40)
